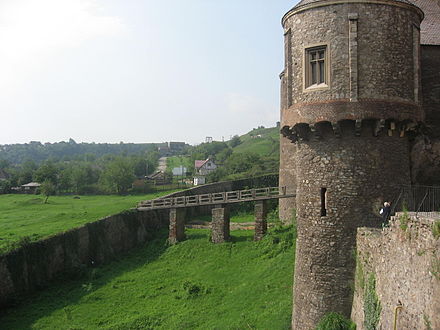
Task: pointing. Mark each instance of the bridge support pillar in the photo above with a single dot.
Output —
(177, 225)
(260, 220)
(220, 224)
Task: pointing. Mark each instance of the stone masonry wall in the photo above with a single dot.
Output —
(406, 266)
(431, 86)
(358, 173)
(287, 178)
(385, 63)
(33, 266)
(379, 77)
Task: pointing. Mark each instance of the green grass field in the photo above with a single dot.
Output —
(193, 285)
(28, 216)
(266, 145)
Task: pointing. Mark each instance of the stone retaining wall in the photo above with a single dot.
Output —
(33, 266)
(404, 261)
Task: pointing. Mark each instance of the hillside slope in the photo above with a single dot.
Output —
(261, 141)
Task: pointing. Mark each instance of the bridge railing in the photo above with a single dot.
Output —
(216, 198)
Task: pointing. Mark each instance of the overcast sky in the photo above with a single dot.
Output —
(138, 70)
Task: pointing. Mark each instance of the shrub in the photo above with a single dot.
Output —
(436, 229)
(278, 240)
(192, 290)
(403, 220)
(335, 321)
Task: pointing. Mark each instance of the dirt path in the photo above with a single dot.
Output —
(162, 164)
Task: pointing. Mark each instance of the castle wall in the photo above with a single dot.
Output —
(350, 134)
(287, 178)
(386, 66)
(356, 185)
(431, 87)
(287, 174)
(405, 264)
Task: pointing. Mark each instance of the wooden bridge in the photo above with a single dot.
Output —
(220, 211)
(220, 198)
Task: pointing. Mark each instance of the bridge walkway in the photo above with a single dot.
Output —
(220, 198)
(220, 213)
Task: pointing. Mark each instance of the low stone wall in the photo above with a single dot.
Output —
(398, 265)
(33, 266)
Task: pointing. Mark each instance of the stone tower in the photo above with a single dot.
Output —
(350, 99)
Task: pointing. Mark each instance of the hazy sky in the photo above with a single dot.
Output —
(138, 70)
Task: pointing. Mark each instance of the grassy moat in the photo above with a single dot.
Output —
(193, 285)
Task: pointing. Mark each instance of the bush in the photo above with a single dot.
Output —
(278, 240)
(436, 229)
(335, 321)
(403, 220)
(192, 290)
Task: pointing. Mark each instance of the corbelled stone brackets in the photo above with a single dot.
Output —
(177, 225)
(260, 220)
(220, 224)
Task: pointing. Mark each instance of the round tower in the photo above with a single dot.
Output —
(351, 97)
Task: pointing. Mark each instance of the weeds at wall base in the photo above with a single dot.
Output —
(372, 306)
(436, 229)
(404, 220)
(335, 321)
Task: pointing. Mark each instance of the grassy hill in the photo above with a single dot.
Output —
(27, 215)
(193, 285)
(262, 141)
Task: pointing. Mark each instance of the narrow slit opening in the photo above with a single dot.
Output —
(323, 202)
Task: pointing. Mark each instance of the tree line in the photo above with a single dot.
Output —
(67, 151)
(83, 175)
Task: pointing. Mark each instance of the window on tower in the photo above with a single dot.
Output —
(316, 67)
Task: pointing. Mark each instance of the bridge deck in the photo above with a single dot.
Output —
(228, 197)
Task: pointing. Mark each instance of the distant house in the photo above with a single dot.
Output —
(199, 179)
(203, 168)
(138, 183)
(158, 178)
(170, 148)
(179, 171)
(30, 188)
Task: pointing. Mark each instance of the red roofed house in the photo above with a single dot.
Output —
(203, 168)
